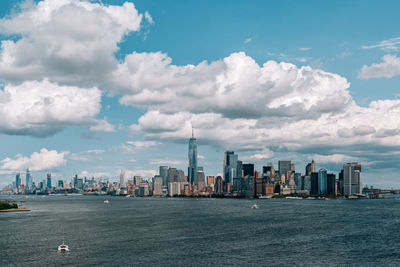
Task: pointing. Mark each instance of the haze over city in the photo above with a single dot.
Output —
(298, 81)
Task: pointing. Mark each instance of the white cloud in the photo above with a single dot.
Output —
(389, 68)
(102, 126)
(148, 17)
(43, 108)
(334, 158)
(248, 40)
(133, 146)
(392, 44)
(66, 41)
(304, 48)
(37, 161)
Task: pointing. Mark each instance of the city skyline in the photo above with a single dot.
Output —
(127, 91)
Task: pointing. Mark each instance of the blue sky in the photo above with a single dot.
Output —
(321, 103)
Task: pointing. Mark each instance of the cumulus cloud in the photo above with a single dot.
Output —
(389, 68)
(235, 87)
(88, 174)
(68, 41)
(133, 146)
(148, 17)
(44, 108)
(102, 126)
(37, 161)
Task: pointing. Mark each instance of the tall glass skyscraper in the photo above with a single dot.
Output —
(230, 166)
(322, 181)
(28, 179)
(192, 170)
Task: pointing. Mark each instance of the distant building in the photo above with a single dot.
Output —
(230, 167)
(248, 169)
(314, 183)
(28, 180)
(157, 185)
(143, 189)
(122, 179)
(60, 184)
(331, 184)
(284, 167)
(351, 179)
(18, 181)
(307, 183)
(164, 174)
(219, 187)
(311, 167)
(192, 169)
(49, 181)
(268, 170)
(322, 181)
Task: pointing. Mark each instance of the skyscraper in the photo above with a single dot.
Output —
(284, 166)
(322, 181)
(314, 183)
(248, 169)
(230, 167)
(351, 179)
(311, 167)
(121, 179)
(164, 174)
(331, 185)
(192, 170)
(28, 185)
(18, 180)
(49, 181)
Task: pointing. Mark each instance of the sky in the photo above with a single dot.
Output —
(96, 87)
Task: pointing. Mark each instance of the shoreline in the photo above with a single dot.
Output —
(15, 210)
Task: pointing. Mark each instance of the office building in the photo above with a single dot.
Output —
(28, 185)
(331, 184)
(311, 167)
(351, 179)
(122, 179)
(248, 169)
(314, 183)
(322, 181)
(230, 167)
(164, 174)
(18, 181)
(157, 185)
(192, 169)
(284, 167)
(48, 183)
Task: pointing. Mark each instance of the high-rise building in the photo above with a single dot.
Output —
(331, 185)
(28, 185)
(322, 181)
(48, 183)
(122, 179)
(219, 188)
(75, 183)
(230, 167)
(61, 183)
(284, 166)
(192, 169)
(351, 179)
(18, 180)
(311, 167)
(314, 183)
(248, 169)
(164, 174)
(269, 170)
(157, 185)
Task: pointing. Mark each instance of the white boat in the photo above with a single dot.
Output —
(254, 206)
(63, 248)
(106, 201)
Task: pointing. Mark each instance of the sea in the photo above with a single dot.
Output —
(200, 232)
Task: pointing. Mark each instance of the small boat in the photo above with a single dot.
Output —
(254, 206)
(63, 248)
(106, 201)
